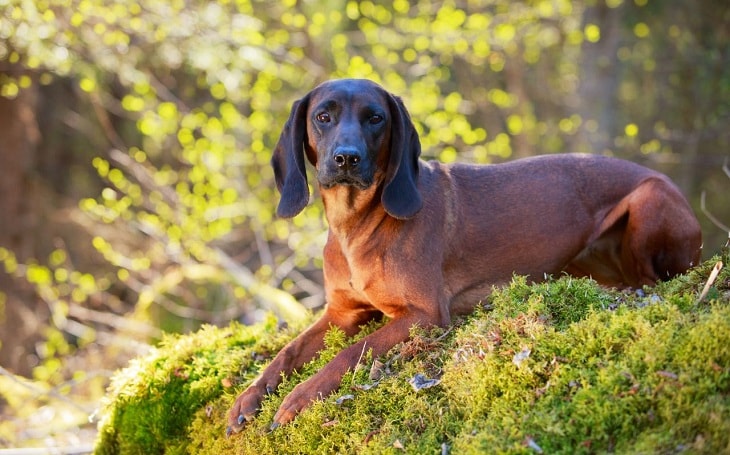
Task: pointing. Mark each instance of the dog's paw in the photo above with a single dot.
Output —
(246, 407)
(303, 395)
(297, 400)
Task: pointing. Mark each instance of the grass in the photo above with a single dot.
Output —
(558, 367)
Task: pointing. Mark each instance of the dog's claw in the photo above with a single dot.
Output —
(274, 426)
(269, 390)
(229, 431)
(241, 419)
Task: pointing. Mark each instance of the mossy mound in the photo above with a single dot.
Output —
(560, 367)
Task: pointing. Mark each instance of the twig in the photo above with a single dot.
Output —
(445, 334)
(715, 221)
(105, 121)
(357, 365)
(37, 391)
(112, 320)
(710, 216)
(713, 276)
(143, 175)
(273, 298)
(210, 317)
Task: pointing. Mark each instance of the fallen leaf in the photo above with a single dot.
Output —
(667, 374)
(344, 398)
(181, 373)
(377, 370)
(529, 442)
(365, 386)
(420, 381)
(370, 436)
(521, 356)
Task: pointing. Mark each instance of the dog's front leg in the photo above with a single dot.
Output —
(300, 350)
(328, 378)
(295, 354)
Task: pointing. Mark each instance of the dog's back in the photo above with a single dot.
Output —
(588, 215)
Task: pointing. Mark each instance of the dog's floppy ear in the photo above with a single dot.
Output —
(401, 198)
(288, 162)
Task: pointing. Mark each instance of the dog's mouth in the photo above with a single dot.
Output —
(346, 180)
(360, 177)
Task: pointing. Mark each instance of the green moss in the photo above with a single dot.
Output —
(563, 366)
(563, 301)
(151, 403)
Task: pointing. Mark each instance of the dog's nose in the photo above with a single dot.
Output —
(347, 159)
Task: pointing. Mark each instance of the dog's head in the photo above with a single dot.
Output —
(356, 134)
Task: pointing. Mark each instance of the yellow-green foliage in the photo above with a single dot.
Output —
(560, 367)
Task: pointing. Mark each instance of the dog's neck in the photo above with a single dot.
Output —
(349, 210)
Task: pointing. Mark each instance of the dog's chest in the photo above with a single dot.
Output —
(365, 280)
(366, 274)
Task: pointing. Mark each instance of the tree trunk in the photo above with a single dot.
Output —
(600, 74)
(21, 314)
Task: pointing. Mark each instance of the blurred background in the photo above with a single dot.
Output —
(136, 196)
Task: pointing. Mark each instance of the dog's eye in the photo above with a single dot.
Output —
(375, 119)
(323, 117)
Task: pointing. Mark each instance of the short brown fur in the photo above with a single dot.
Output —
(420, 242)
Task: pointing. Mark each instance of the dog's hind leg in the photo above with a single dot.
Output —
(662, 237)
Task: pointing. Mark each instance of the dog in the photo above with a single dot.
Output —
(420, 242)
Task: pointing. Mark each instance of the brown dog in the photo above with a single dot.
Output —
(421, 241)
